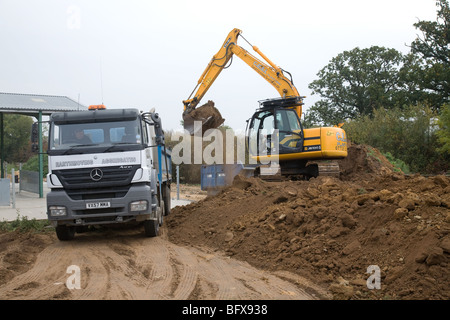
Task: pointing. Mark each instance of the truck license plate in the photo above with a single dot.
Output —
(98, 205)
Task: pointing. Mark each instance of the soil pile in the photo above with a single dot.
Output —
(364, 163)
(334, 231)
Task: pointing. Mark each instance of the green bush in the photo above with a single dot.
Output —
(444, 129)
(407, 134)
(399, 165)
(33, 164)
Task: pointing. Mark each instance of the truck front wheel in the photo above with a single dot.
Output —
(151, 227)
(65, 233)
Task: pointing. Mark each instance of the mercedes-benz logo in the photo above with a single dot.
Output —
(96, 174)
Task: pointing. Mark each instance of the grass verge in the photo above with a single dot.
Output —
(23, 224)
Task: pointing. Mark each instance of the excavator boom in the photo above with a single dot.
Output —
(207, 114)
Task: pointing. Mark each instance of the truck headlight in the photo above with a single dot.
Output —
(138, 205)
(57, 210)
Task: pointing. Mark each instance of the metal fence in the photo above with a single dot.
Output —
(5, 196)
(29, 181)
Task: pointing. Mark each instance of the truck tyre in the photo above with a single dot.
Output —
(162, 209)
(151, 227)
(167, 200)
(65, 233)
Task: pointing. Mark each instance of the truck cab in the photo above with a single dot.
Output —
(107, 166)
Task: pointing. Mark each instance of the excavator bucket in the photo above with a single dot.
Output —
(207, 114)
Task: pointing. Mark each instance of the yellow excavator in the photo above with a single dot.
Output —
(298, 149)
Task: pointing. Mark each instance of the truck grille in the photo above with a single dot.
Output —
(81, 178)
(98, 193)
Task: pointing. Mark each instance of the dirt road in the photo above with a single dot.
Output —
(123, 264)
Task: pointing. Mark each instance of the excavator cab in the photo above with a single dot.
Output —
(275, 128)
(275, 133)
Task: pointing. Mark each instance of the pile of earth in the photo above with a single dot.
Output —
(333, 231)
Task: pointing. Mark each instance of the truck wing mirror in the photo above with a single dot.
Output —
(35, 132)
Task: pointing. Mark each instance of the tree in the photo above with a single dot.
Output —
(434, 48)
(355, 82)
(17, 130)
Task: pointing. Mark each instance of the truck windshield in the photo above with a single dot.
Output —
(74, 135)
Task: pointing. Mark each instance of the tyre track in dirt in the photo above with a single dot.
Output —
(125, 265)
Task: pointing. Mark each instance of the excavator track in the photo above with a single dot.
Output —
(313, 169)
(328, 168)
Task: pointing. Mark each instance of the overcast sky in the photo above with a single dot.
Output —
(150, 54)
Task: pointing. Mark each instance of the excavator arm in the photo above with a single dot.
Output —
(268, 70)
(212, 71)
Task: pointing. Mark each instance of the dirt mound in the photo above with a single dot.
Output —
(363, 162)
(332, 230)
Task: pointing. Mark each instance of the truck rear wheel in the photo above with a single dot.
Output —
(65, 233)
(167, 199)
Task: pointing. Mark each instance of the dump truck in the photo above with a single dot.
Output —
(107, 166)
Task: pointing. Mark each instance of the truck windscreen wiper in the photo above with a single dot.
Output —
(72, 149)
(115, 146)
